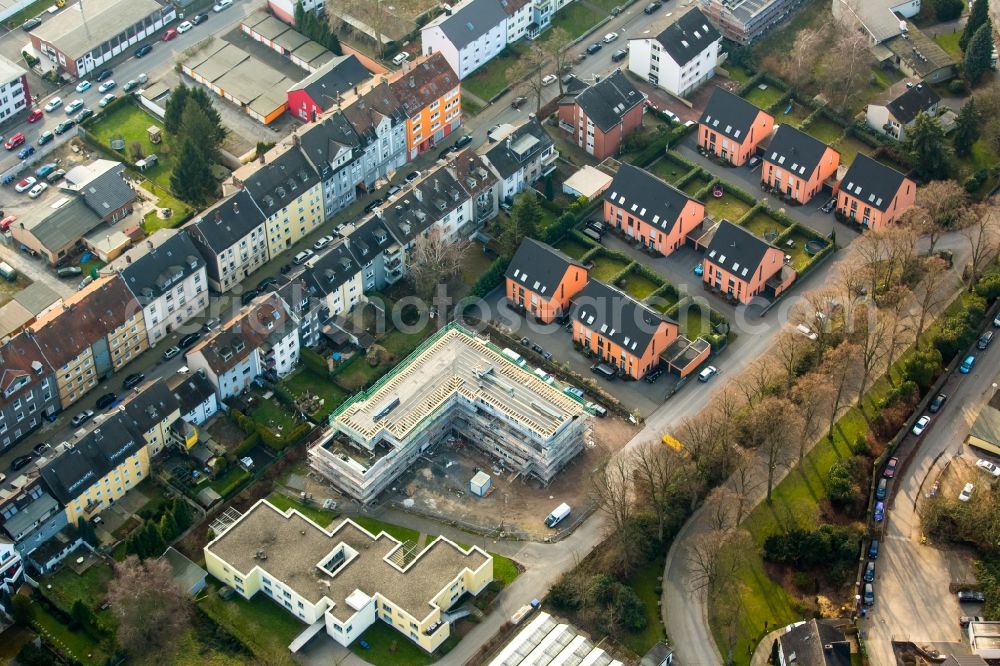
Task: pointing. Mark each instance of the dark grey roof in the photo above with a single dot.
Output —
(191, 390)
(425, 202)
(35, 510)
(108, 192)
(795, 151)
(686, 38)
(55, 229)
(521, 147)
(816, 643)
(656, 655)
(369, 240)
(736, 250)
(228, 221)
(186, 573)
(871, 182)
(322, 141)
(334, 268)
(149, 406)
(617, 316)
(911, 103)
(101, 450)
(281, 181)
(335, 77)
(646, 197)
(295, 293)
(539, 267)
(729, 114)
(573, 85)
(36, 297)
(472, 21)
(608, 100)
(157, 271)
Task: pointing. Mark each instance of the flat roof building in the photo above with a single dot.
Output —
(455, 383)
(344, 578)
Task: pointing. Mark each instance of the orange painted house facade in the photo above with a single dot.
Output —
(797, 165)
(620, 331)
(541, 280)
(430, 92)
(740, 265)
(874, 195)
(649, 210)
(731, 128)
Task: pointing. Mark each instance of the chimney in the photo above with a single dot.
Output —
(149, 244)
(218, 216)
(261, 158)
(128, 260)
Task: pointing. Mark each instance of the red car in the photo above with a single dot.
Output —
(169, 34)
(35, 116)
(14, 141)
(6, 222)
(890, 467)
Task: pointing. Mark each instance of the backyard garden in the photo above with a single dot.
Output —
(670, 168)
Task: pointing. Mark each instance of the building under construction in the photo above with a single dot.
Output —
(746, 21)
(455, 385)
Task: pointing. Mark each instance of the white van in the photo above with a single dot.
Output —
(400, 58)
(544, 376)
(513, 356)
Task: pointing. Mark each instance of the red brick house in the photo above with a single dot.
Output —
(619, 330)
(741, 265)
(731, 128)
(541, 280)
(649, 210)
(602, 115)
(874, 195)
(321, 90)
(797, 165)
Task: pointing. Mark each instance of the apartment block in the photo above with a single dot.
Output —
(232, 238)
(679, 59)
(29, 392)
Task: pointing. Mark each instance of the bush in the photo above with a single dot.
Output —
(922, 367)
(803, 549)
(628, 610)
(314, 362)
(840, 487)
(958, 87)
(564, 594)
(947, 10)
(491, 279)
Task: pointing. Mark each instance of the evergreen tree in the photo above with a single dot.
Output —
(175, 109)
(979, 54)
(182, 514)
(21, 610)
(929, 148)
(168, 526)
(550, 191)
(82, 615)
(86, 531)
(966, 128)
(948, 10)
(192, 179)
(155, 540)
(201, 97)
(977, 17)
(197, 126)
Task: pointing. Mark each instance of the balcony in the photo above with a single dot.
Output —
(394, 263)
(393, 276)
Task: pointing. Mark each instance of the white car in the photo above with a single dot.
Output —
(221, 5)
(184, 27)
(322, 242)
(806, 331)
(549, 79)
(966, 493)
(37, 190)
(986, 465)
(707, 373)
(302, 257)
(74, 106)
(107, 99)
(106, 86)
(25, 184)
(920, 425)
(53, 104)
(83, 86)
(400, 58)
(610, 37)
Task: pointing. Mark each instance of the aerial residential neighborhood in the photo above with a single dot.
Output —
(499, 332)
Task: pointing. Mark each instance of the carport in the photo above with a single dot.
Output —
(683, 356)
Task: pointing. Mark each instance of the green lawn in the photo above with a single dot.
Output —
(226, 484)
(34, 9)
(800, 259)
(180, 211)
(726, 207)
(374, 525)
(76, 644)
(357, 374)
(696, 184)
(470, 107)
(572, 247)
(263, 626)
(737, 73)
(663, 302)
(761, 223)
(778, 42)
(645, 582)
(306, 381)
(504, 570)
(825, 130)
(638, 286)
(764, 98)
(883, 78)
(949, 42)
(849, 147)
(795, 116)
(606, 267)
(491, 79)
(575, 18)
(69, 586)
(272, 415)
(321, 517)
(981, 157)
(388, 647)
(670, 169)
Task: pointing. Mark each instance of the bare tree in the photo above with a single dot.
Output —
(897, 302)
(556, 46)
(152, 610)
(613, 490)
(938, 206)
(840, 367)
(772, 426)
(714, 557)
(759, 379)
(376, 14)
(790, 349)
(660, 472)
(526, 74)
(435, 260)
(870, 334)
(812, 395)
(847, 64)
(932, 292)
(744, 481)
(979, 226)
(804, 56)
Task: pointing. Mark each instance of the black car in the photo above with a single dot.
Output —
(372, 205)
(105, 401)
(141, 51)
(133, 380)
(651, 7)
(446, 152)
(31, 24)
(245, 298)
(39, 449)
(937, 403)
(104, 74)
(518, 102)
(84, 114)
(65, 126)
(619, 55)
(463, 141)
(21, 462)
(594, 48)
(537, 348)
(189, 340)
(199, 19)
(267, 283)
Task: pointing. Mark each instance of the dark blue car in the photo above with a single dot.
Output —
(26, 152)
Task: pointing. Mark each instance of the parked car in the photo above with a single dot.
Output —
(594, 48)
(610, 37)
(35, 115)
(82, 417)
(984, 340)
(537, 348)
(266, 283)
(604, 370)
(619, 55)
(83, 115)
(573, 391)
(37, 190)
(890, 467)
(53, 104)
(463, 141)
(171, 352)
(829, 206)
(996, 321)
(199, 19)
(373, 204)
(400, 58)
(707, 373)
(107, 99)
(873, 549)
(392, 191)
(133, 380)
(937, 403)
(322, 242)
(446, 152)
(412, 176)
(31, 24)
(518, 102)
(222, 5)
(302, 257)
(869, 595)
(106, 400)
(882, 489)
(967, 364)
(870, 571)
(169, 34)
(879, 513)
(14, 141)
(45, 137)
(21, 462)
(920, 425)
(210, 325)
(44, 170)
(806, 331)
(651, 8)
(65, 126)
(143, 50)
(69, 271)
(55, 176)
(84, 86)
(549, 79)
(106, 86)
(966, 493)
(184, 27)
(130, 85)
(39, 449)
(189, 340)
(971, 595)
(753, 162)
(25, 184)
(988, 466)
(651, 377)
(26, 152)
(966, 620)
(103, 74)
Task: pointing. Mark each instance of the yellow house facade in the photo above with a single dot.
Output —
(128, 340)
(346, 577)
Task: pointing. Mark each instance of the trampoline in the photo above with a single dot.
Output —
(815, 247)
